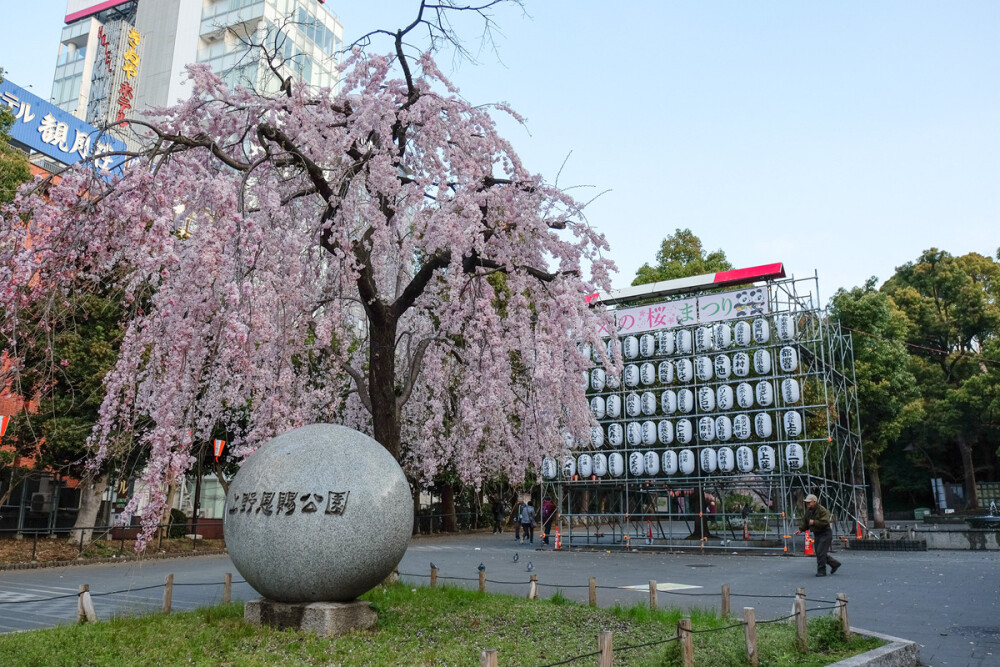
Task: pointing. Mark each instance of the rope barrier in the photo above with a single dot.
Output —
(126, 591)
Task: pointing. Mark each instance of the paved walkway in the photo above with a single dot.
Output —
(946, 601)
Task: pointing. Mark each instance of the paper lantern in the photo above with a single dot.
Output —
(596, 437)
(614, 348)
(616, 465)
(703, 339)
(744, 458)
(685, 370)
(765, 393)
(685, 400)
(669, 461)
(647, 373)
(651, 462)
(665, 343)
(616, 435)
(722, 335)
(586, 381)
(742, 334)
(632, 408)
(794, 456)
(793, 424)
(723, 366)
(569, 467)
(613, 382)
(709, 461)
(762, 362)
(682, 342)
(633, 434)
(790, 390)
(647, 403)
(788, 359)
(585, 466)
(741, 364)
(665, 372)
(724, 397)
(597, 379)
(703, 368)
(636, 464)
(630, 347)
(706, 399)
(647, 345)
(648, 433)
(723, 428)
(785, 327)
(765, 458)
(549, 469)
(600, 465)
(744, 395)
(762, 425)
(685, 461)
(668, 402)
(665, 431)
(613, 406)
(706, 429)
(741, 427)
(597, 407)
(726, 458)
(683, 431)
(761, 331)
(587, 350)
(631, 376)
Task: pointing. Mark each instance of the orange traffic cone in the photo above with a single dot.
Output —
(860, 534)
(809, 545)
(558, 539)
(746, 530)
(649, 531)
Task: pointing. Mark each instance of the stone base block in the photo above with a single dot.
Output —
(326, 619)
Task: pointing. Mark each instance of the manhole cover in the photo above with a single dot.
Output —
(700, 565)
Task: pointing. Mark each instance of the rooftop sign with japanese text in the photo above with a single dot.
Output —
(749, 302)
(44, 127)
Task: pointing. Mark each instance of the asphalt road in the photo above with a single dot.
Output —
(946, 601)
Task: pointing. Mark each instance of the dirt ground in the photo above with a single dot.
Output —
(50, 550)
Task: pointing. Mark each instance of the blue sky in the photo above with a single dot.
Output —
(843, 138)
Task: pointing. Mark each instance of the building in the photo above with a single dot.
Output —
(119, 57)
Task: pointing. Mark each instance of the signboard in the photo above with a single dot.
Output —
(79, 9)
(46, 128)
(749, 302)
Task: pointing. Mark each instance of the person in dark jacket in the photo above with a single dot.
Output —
(498, 515)
(816, 519)
(527, 522)
(548, 514)
(515, 516)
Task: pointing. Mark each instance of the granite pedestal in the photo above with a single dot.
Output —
(326, 619)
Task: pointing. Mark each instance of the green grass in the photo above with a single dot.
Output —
(422, 626)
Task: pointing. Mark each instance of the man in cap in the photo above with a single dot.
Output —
(816, 519)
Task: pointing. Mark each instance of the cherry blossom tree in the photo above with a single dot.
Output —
(377, 257)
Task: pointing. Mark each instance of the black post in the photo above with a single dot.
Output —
(197, 499)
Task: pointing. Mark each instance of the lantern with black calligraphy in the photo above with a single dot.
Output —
(685, 370)
(669, 462)
(727, 460)
(682, 341)
(668, 402)
(685, 461)
(761, 331)
(722, 335)
(596, 437)
(723, 366)
(633, 434)
(744, 395)
(665, 372)
(723, 428)
(709, 461)
(569, 467)
(585, 465)
(788, 359)
(597, 407)
(647, 345)
(665, 431)
(786, 327)
(706, 429)
(665, 343)
(765, 393)
(742, 333)
(616, 465)
(597, 379)
(630, 347)
(685, 400)
(703, 368)
(741, 427)
(636, 464)
(683, 431)
(613, 406)
(762, 425)
(631, 375)
(790, 390)
(648, 433)
(616, 435)
(744, 458)
(613, 381)
(647, 403)
(651, 462)
(794, 456)
(647, 373)
(703, 339)
(600, 465)
(765, 458)
(706, 399)
(724, 397)
(793, 424)
(741, 364)
(632, 407)
(549, 469)
(762, 362)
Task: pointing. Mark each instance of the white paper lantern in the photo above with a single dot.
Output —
(724, 397)
(665, 431)
(685, 370)
(596, 437)
(706, 399)
(785, 327)
(648, 433)
(647, 402)
(706, 429)
(549, 469)
(669, 461)
(597, 407)
(570, 441)
(668, 402)
(685, 400)
(632, 408)
(744, 395)
(741, 427)
(665, 343)
(597, 379)
(723, 428)
(647, 373)
(793, 424)
(636, 464)
(790, 390)
(727, 460)
(630, 347)
(765, 393)
(616, 465)
(682, 341)
(703, 368)
(744, 458)
(665, 372)
(761, 331)
(788, 359)
(587, 351)
(616, 435)
(614, 348)
(762, 362)
(647, 345)
(794, 456)
(741, 364)
(723, 366)
(586, 381)
(722, 335)
(631, 375)
(585, 466)
(742, 333)
(709, 460)
(613, 406)
(762, 425)
(613, 382)
(685, 461)
(633, 434)
(651, 462)
(600, 465)
(683, 431)
(765, 458)
(569, 467)
(703, 339)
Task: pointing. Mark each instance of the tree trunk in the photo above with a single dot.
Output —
(165, 519)
(970, 472)
(874, 476)
(382, 386)
(90, 505)
(415, 492)
(448, 519)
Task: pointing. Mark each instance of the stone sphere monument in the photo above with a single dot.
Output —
(321, 513)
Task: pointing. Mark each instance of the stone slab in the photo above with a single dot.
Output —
(326, 619)
(896, 653)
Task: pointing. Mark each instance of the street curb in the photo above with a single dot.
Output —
(896, 653)
(117, 559)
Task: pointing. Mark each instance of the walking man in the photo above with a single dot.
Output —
(816, 518)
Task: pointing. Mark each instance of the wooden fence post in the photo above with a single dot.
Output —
(85, 606)
(227, 588)
(687, 641)
(801, 631)
(750, 630)
(482, 581)
(168, 593)
(604, 646)
(488, 658)
(842, 612)
(593, 591)
(533, 587)
(434, 577)
(725, 600)
(652, 594)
